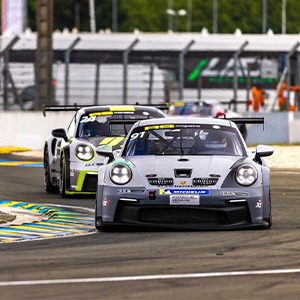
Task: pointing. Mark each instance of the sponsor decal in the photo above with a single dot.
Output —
(230, 193)
(184, 192)
(101, 113)
(93, 164)
(160, 181)
(106, 202)
(124, 191)
(184, 200)
(205, 181)
(259, 204)
(163, 126)
(122, 108)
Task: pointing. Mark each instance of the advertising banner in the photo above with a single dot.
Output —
(14, 15)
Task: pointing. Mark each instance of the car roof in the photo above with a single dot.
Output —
(122, 108)
(195, 102)
(186, 120)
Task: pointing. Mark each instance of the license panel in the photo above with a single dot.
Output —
(184, 200)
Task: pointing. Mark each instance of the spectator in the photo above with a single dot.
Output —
(282, 94)
(258, 97)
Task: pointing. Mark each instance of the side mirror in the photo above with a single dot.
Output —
(263, 151)
(60, 133)
(105, 150)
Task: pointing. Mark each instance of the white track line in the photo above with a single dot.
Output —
(148, 277)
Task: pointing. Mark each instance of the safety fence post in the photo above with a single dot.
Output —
(182, 66)
(125, 68)
(67, 66)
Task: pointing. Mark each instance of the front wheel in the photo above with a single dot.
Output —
(49, 187)
(269, 220)
(62, 181)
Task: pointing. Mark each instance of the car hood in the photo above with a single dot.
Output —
(200, 166)
(116, 141)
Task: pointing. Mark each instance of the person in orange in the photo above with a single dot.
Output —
(258, 97)
(282, 97)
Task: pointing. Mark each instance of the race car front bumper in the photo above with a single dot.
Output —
(214, 211)
(84, 182)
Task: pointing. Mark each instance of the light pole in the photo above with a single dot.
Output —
(264, 16)
(114, 15)
(215, 16)
(189, 15)
(92, 16)
(172, 13)
(283, 17)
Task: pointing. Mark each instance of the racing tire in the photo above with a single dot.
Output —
(49, 187)
(269, 220)
(99, 223)
(62, 181)
(100, 226)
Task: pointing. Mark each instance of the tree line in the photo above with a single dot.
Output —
(151, 15)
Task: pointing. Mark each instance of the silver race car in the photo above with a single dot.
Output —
(185, 173)
(70, 158)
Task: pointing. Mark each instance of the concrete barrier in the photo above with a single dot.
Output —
(276, 129)
(31, 129)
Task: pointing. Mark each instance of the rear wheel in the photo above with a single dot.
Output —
(49, 187)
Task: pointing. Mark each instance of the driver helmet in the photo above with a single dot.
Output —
(215, 140)
(92, 129)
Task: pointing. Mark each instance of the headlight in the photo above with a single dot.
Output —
(120, 174)
(84, 152)
(246, 175)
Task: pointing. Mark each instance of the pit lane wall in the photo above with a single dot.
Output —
(31, 129)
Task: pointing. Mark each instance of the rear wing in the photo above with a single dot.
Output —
(247, 120)
(76, 107)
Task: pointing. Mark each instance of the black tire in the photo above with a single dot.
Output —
(49, 187)
(99, 224)
(62, 179)
(98, 227)
(269, 220)
(101, 227)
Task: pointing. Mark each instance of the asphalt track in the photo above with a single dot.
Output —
(244, 264)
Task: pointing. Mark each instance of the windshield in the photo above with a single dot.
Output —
(184, 140)
(100, 126)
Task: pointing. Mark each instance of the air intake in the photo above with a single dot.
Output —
(183, 173)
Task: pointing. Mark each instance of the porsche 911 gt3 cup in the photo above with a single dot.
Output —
(193, 173)
(70, 158)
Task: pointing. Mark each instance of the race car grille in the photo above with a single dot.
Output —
(160, 181)
(205, 217)
(182, 215)
(90, 183)
(205, 181)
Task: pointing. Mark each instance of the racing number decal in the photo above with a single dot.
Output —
(137, 134)
(86, 119)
